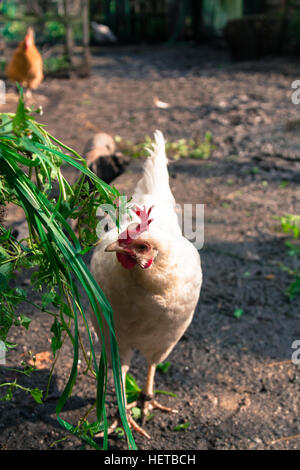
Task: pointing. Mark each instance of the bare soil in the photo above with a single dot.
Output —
(233, 377)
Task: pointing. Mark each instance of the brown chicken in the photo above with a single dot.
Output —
(103, 158)
(26, 65)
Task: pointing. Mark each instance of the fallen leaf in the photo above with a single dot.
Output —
(160, 104)
(269, 277)
(89, 125)
(42, 360)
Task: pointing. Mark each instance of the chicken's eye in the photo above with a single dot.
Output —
(142, 247)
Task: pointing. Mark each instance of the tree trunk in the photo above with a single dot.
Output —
(69, 31)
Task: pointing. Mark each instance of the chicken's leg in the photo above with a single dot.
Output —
(132, 423)
(28, 94)
(149, 403)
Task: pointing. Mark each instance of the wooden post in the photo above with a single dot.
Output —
(176, 10)
(86, 38)
(69, 31)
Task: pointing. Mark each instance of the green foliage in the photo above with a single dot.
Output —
(293, 250)
(56, 341)
(163, 367)
(181, 427)
(8, 7)
(290, 224)
(31, 178)
(14, 30)
(191, 148)
(89, 429)
(120, 433)
(54, 31)
(11, 30)
(182, 148)
(55, 63)
(27, 370)
(238, 313)
(136, 412)
(294, 289)
(165, 392)
(36, 393)
(132, 389)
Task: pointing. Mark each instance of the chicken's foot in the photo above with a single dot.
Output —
(147, 396)
(28, 94)
(132, 424)
(149, 403)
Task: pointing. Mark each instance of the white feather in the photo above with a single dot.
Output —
(154, 189)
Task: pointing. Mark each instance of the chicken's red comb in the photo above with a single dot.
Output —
(134, 230)
(29, 37)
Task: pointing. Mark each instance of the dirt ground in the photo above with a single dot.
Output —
(233, 378)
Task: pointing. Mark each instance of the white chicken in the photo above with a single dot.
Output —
(150, 274)
(102, 34)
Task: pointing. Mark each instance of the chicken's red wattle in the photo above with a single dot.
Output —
(128, 262)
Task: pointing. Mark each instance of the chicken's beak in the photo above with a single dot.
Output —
(114, 246)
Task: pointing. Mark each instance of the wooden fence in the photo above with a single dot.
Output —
(136, 21)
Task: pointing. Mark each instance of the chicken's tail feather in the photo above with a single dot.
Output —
(155, 180)
(153, 188)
